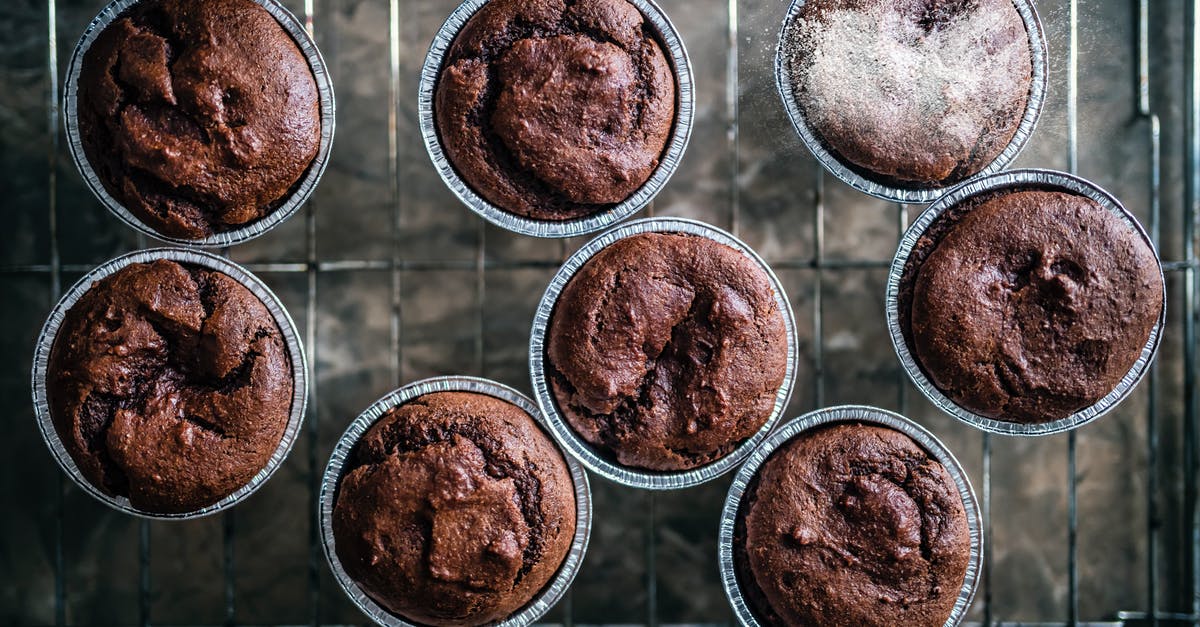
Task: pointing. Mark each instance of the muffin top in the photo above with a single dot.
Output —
(454, 509)
(1032, 305)
(916, 93)
(852, 525)
(199, 116)
(169, 384)
(555, 110)
(667, 350)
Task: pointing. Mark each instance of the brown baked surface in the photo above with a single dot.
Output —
(555, 110)
(1034, 305)
(667, 350)
(454, 509)
(169, 384)
(852, 525)
(199, 116)
(917, 93)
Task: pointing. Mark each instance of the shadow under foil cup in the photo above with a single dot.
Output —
(550, 595)
(290, 204)
(846, 414)
(287, 329)
(1015, 180)
(681, 131)
(602, 463)
(890, 190)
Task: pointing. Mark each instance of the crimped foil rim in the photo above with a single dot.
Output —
(681, 132)
(850, 414)
(550, 595)
(580, 448)
(287, 328)
(1033, 110)
(1016, 180)
(295, 199)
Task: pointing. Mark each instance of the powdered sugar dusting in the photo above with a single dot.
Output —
(935, 92)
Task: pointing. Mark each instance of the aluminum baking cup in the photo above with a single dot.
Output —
(680, 133)
(1033, 109)
(548, 597)
(247, 232)
(1015, 180)
(287, 328)
(592, 458)
(853, 414)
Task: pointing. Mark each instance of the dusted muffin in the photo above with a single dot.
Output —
(852, 525)
(917, 93)
(454, 509)
(1027, 306)
(199, 116)
(169, 384)
(555, 110)
(667, 351)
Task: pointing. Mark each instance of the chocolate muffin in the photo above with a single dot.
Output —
(1029, 305)
(917, 93)
(199, 116)
(555, 109)
(169, 384)
(852, 525)
(454, 509)
(667, 351)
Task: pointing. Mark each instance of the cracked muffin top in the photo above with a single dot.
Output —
(667, 351)
(199, 116)
(555, 110)
(169, 384)
(1027, 306)
(852, 525)
(915, 93)
(454, 509)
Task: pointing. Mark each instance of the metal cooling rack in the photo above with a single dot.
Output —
(1170, 576)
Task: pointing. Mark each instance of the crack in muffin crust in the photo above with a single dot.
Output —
(169, 384)
(555, 110)
(200, 117)
(667, 351)
(455, 509)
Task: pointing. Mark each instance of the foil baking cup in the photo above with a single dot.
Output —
(887, 191)
(287, 328)
(1015, 180)
(681, 132)
(848, 414)
(300, 192)
(591, 457)
(548, 596)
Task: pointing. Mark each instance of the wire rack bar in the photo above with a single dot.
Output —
(1191, 289)
(1072, 474)
(311, 333)
(416, 266)
(55, 271)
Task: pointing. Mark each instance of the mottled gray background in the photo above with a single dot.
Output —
(463, 294)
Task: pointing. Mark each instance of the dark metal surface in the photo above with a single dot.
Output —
(391, 280)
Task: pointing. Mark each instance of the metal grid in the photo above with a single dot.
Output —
(1183, 312)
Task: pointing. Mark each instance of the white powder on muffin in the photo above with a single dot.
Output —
(878, 70)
